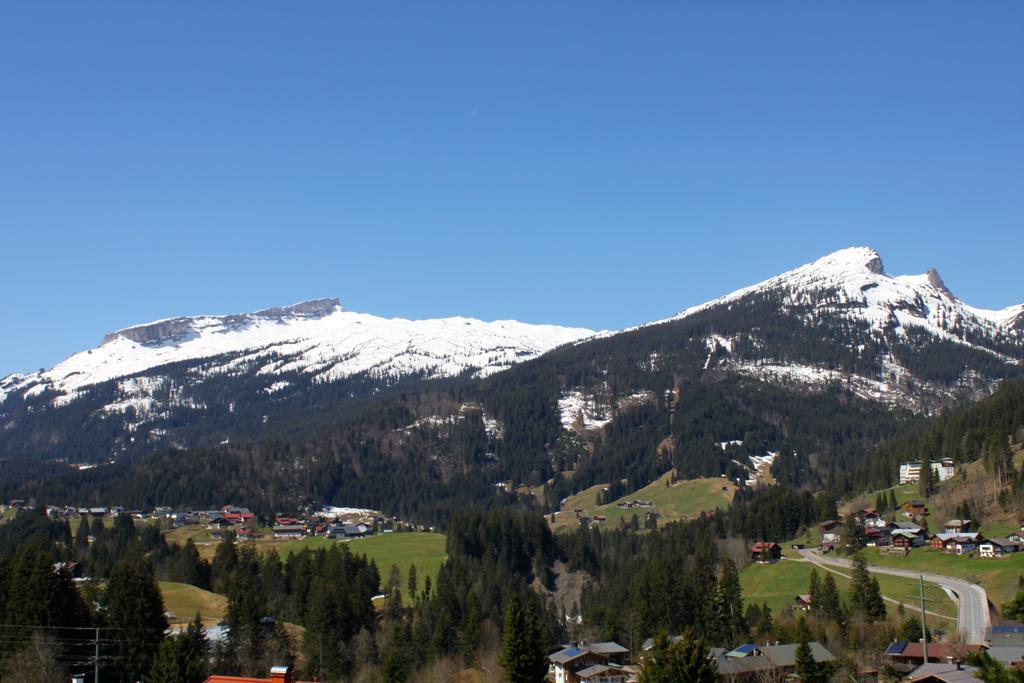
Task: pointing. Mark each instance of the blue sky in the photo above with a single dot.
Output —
(594, 164)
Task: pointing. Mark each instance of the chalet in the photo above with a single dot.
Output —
(245, 534)
(960, 545)
(902, 538)
(289, 530)
(914, 508)
(878, 537)
(938, 541)
(356, 530)
(1007, 635)
(996, 547)
(906, 656)
(870, 518)
(906, 526)
(765, 552)
(958, 526)
(757, 663)
(830, 531)
(946, 672)
(803, 602)
(278, 674)
(599, 662)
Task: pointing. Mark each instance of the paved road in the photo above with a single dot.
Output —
(972, 617)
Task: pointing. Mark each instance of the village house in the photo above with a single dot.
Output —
(877, 537)
(1007, 634)
(802, 602)
(763, 662)
(278, 674)
(958, 526)
(902, 538)
(598, 662)
(289, 530)
(905, 656)
(914, 509)
(947, 672)
(765, 552)
(996, 548)
(830, 530)
(871, 518)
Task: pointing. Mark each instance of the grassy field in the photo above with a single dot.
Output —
(682, 500)
(184, 601)
(999, 577)
(779, 583)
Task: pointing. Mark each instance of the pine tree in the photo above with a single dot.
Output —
(135, 610)
(814, 590)
(182, 658)
(926, 484)
(82, 536)
(686, 661)
(807, 668)
(865, 593)
(411, 583)
(522, 655)
(471, 629)
(729, 604)
(827, 604)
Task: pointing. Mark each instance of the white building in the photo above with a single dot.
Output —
(941, 469)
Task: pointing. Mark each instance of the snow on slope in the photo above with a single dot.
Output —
(316, 338)
(861, 284)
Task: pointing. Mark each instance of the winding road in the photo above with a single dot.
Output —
(972, 614)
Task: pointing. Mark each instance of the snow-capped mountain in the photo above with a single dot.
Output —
(145, 376)
(904, 338)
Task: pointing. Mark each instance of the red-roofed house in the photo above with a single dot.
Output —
(278, 674)
(765, 552)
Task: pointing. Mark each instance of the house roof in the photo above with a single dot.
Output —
(958, 522)
(568, 654)
(597, 669)
(948, 673)
(785, 655)
(915, 650)
(1004, 542)
(1007, 654)
(607, 648)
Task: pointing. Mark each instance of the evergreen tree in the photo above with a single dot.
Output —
(182, 658)
(991, 670)
(865, 594)
(827, 605)
(522, 654)
(814, 589)
(471, 629)
(412, 585)
(926, 484)
(807, 668)
(685, 661)
(729, 604)
(82, 536)
(134, 610)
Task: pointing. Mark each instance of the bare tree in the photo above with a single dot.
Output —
(36, 662)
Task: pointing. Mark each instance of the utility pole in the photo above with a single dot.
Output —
(924, 631)
(924, 628)
(96, 663)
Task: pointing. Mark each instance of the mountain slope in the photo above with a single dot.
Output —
(144, 381)
(905, 340)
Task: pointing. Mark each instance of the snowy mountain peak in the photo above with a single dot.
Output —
(852, 259)
(312, 339)
(179, 329)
